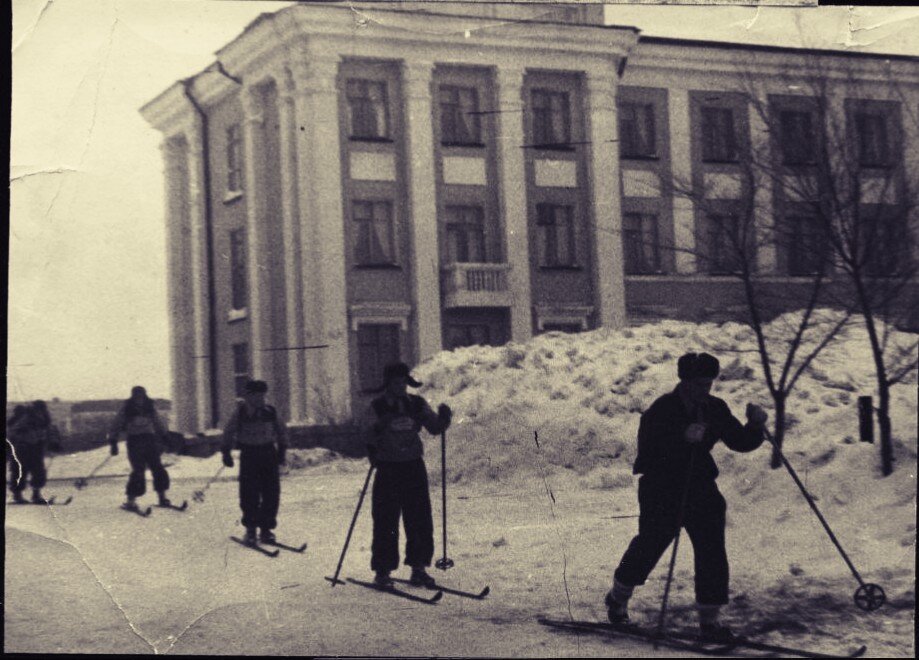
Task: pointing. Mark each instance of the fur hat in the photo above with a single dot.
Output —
(397, 370)
(698, 365)
(256, 387)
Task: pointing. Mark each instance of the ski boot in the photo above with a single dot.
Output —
(382, 580)
(267, 536)
(164, 501)
(616, 612)
(420, 578)
(18, 498)
(130, 505)
(250, 537)
(716, 633)
(37, 498)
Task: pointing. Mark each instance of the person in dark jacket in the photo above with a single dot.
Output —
(30, 432)
(677, 488)
(262, 440)
(144, 429)
(400, 487)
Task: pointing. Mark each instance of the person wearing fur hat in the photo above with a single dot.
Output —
(400, 487)
(677, 489)
(139, 420)
(262, 440)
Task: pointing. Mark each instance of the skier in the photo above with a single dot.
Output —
(255, 428)
(139, 420)
(675, 438)
(30, 432)
(401, 483)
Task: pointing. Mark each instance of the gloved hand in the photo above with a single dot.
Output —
(114, 447)
(756, 416)
(445, 414)
(228, 458)
(372, 455)
(282, 455)
(695, 433)
(55, 446)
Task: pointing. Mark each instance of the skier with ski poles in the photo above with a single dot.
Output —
(261, 437)
(401, 483)
(144, 428)
(31, 431)
(677, 489)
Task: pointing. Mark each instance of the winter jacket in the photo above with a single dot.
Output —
(133, 421)
(393, 432)
(254, 427)
(33, 429)
(664, 452)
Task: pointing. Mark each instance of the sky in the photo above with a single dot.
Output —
(87, 280)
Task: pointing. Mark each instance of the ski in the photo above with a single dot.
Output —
(257, 548)
(397, 592)
(284, 546)
(46, 502)
(447, 590)
(143, 513)
(635, 632)
(174, 507)
(783, 650)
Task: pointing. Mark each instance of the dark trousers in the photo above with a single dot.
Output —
(144, 452)
(704, 520)
(401, 488)
(29, 461)
(259, 486)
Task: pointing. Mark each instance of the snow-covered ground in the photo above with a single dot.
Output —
(543, 524)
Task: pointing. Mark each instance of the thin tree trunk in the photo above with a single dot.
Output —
(779, 435)
(885, 429)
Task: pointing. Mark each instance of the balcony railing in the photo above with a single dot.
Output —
(476, 285)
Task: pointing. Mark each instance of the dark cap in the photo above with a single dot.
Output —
(698, 365)
(256, 387)
(397, 370)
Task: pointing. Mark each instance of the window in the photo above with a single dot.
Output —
(234, 159)
(636, 131)
(459, 118)
(551, 118)
(807, 249)
(239, 292)
(377, 346)
(719, 137)
(639, 234)
(367, 109)
(797, 137)
(885, 245)
(562, 327)
(722, 245)
(465, 234)
(468, 335)
(555, 235)
(873, 139)
(373, 236)
(240, 368)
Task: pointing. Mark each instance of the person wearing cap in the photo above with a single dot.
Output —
(261, 437)
(677, 488)
(401, 483)
(30, 432)
(139, 420)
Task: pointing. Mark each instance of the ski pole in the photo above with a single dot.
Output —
(444, 562)
(676, 544)
(868, 596)
(81, 483)
(334, 579)
(198, 495)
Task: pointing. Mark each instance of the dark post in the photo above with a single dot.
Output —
(865, 419)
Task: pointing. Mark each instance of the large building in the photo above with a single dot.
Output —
(348, 187)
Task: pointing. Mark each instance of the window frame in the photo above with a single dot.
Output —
(241, 372)
(717, 266)
(543, 222)
(656, 266)
(370, 377)
(239, 275)
(797, 260)
(466, 227)
(365, 85)
(790, 141)
(885, 158)
(541, 119)
(234, 159)
(627, 137)
(709, 131)
(456, 108)
(386, 261)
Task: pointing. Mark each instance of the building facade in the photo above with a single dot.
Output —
(349, 188)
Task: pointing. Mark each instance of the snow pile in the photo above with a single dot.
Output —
(581, 395)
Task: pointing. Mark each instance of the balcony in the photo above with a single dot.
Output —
(475, 285)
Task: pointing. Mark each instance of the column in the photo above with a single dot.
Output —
(513, 197)
(293, 259)
(181, 326)
(199, 282)
(423, 203)
(603, 169)
(684, 238)
(323, 238)
(259, 286)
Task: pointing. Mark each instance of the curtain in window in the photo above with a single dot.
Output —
(556, 235)
(367, 105)
(459, 121)
(636, 130)
(373, 238)
(640, 243)
(465, 234)
(719, 142)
